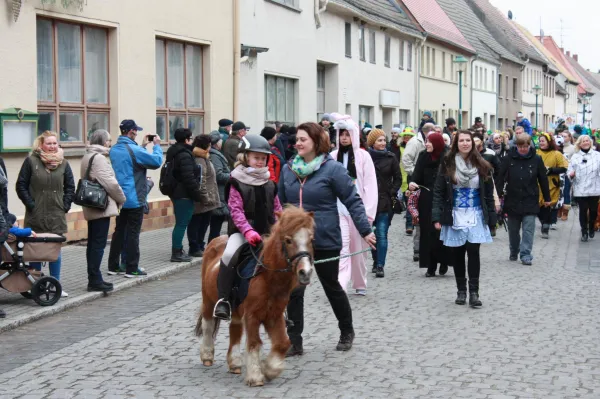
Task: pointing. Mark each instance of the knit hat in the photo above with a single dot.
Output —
(447, 139)
(396, 130)
(373, 136)
(427, 113)
(215, 136)
(437, 141)
(408, 131)
(268, 133)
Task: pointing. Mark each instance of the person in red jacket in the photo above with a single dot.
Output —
(276, 159)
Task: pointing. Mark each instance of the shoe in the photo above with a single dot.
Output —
(119, 270)
(493, 231)
(137, 273)
(430, 274)
(474, 301)
(361, 292)
(374, 269)
(380, 272)
(565, 215)
(409, 232)
(222, 310)
(64, 294)
(584, 236)
(416, 257)
(443, 269)
(461, 298)
(295, 350)
(102, 287)
(107, 284)
(345, 343)
(179, 255)
(552, 227)
(513, 258)
(592, 234)
(545, 230)
(2, 314)
(197, 254)
(527, 262)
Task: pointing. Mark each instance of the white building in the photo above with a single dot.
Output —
(354, 56)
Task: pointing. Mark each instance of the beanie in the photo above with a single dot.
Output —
(268, 133)
(215, 136)
(373, 136)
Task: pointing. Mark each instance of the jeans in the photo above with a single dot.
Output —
(216, 222)
(587, 204)
(53, 266)
(567, 192)
(515, 223)
(183, 210)
(197, 230)
(97, 237)
(382, 225)
(328, 276)
(129, 225)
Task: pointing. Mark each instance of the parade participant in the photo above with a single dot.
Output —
(568, 151)
(314, 181)
(450, 128)
(499, 145)
(556, 164)
(222, 173)
(46, 187)
(276, 160)
(327, 124)
(249, 185)
(394, 144)
(524, 174)
(427, 118)
(561, 126)
(478, 126)
(360, 167)
(389, 180)
(584, 172)
(463, 210)
(405, 136)
(431, 250)
(524, 123)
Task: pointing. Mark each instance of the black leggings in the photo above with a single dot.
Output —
(587, 204)
(474, 264)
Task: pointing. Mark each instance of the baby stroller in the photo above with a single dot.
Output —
(15, 275)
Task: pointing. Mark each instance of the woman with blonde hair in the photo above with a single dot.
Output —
(45, 186)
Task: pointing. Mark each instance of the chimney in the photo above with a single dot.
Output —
(562, 50)
(576, 57)
(568, 53)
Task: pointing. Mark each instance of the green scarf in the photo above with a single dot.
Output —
(303, 169)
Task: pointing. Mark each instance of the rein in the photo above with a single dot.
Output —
(292, 262)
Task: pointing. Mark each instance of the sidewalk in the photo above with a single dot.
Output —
(155, 252)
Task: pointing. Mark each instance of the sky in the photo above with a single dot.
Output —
(579, 29)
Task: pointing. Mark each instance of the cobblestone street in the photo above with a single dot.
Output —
(536, 336)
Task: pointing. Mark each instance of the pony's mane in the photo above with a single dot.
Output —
(291, 220)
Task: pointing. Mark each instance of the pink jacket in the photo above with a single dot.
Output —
(365, 170)
(236, 209)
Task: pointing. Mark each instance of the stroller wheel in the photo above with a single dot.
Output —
(46, 291)
(27, 295)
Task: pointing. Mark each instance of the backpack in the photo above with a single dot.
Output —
(167, 183)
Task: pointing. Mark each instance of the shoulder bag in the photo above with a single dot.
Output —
(90, 193)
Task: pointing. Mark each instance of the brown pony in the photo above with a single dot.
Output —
(287, 261)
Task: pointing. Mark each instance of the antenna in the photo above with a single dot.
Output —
(561, 34)
(510, 15)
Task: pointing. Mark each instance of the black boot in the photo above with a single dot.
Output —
(296, 349)
(545, 230)
(224, 284)
(443, 269)
(584, 235)
(474, 293)
(592, 229)
(179, 255)
(379, 272)
(461, 295)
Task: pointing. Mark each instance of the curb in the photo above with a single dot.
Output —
(74, 302)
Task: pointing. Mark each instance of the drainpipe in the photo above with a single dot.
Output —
(417, 104)
(496, 85)
(236, 57)
(473, 59)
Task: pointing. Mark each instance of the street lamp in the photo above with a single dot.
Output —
(585, 101)
(461, 63)
(537, 90)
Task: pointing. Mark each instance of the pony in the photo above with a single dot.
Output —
(287, 261)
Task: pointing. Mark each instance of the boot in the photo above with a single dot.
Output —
(224, 283)
(565, 213)
(592, 230)
(584, 235)
(179, 255)
(474, 293)
(545, 230)
(559, 213)
(461, 297)
(443, 269)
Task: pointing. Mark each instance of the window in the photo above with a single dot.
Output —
(433, 70)
(515, 88)
(452, 70)
(72, 74)
(485, 79)
(372, 55)
(428, 61)
(410, 56)
(179, 88)
(476, 77)
(348, 35)
(361, 42)
(423, 60)
(443, 65)
(401, 59)
(386, 52)
(280, 99)
(320, 91)
(364, 114)
(507, 88)
(500, 85)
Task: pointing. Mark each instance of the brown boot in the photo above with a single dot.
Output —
(559, 213)
(565, 214)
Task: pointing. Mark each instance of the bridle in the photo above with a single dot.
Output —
(292, 262)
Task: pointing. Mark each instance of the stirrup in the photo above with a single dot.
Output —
(215, 309)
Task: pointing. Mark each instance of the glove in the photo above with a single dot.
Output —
(253, 237)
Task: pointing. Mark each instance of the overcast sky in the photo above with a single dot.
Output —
(580, 20)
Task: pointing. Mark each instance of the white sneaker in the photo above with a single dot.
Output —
(552, 227)
(64, 294)
(361, 292)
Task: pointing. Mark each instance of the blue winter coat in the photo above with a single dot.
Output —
(319, 194)
(133, 179)
(526, 126)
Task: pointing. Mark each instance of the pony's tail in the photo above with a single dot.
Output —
(198, 329)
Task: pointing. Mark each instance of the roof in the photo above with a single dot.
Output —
(553, 48)
(475, 32)
(556, 61)
(560, 88)
(504, 31)
(588, 82)
(382, 11)
(436, 23)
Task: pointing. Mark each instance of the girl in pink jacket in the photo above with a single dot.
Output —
(360, 167)
(252, 200)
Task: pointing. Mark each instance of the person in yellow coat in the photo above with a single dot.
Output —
(556, 165)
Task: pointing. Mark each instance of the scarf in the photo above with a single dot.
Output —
(200, 153)
(51, 160)
(464, 172)
(378, 154)
(251, 176)
(303, 169)
(351, 162)
(496, 147)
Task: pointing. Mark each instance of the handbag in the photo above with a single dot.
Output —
(89, 193)
(398, 205)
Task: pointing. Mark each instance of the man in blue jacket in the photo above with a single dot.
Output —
(130, 163)
(524, 123)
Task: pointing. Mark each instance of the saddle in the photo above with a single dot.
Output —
(246, 261)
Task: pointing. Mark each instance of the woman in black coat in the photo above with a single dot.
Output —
(187, 174)
(431, 249)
